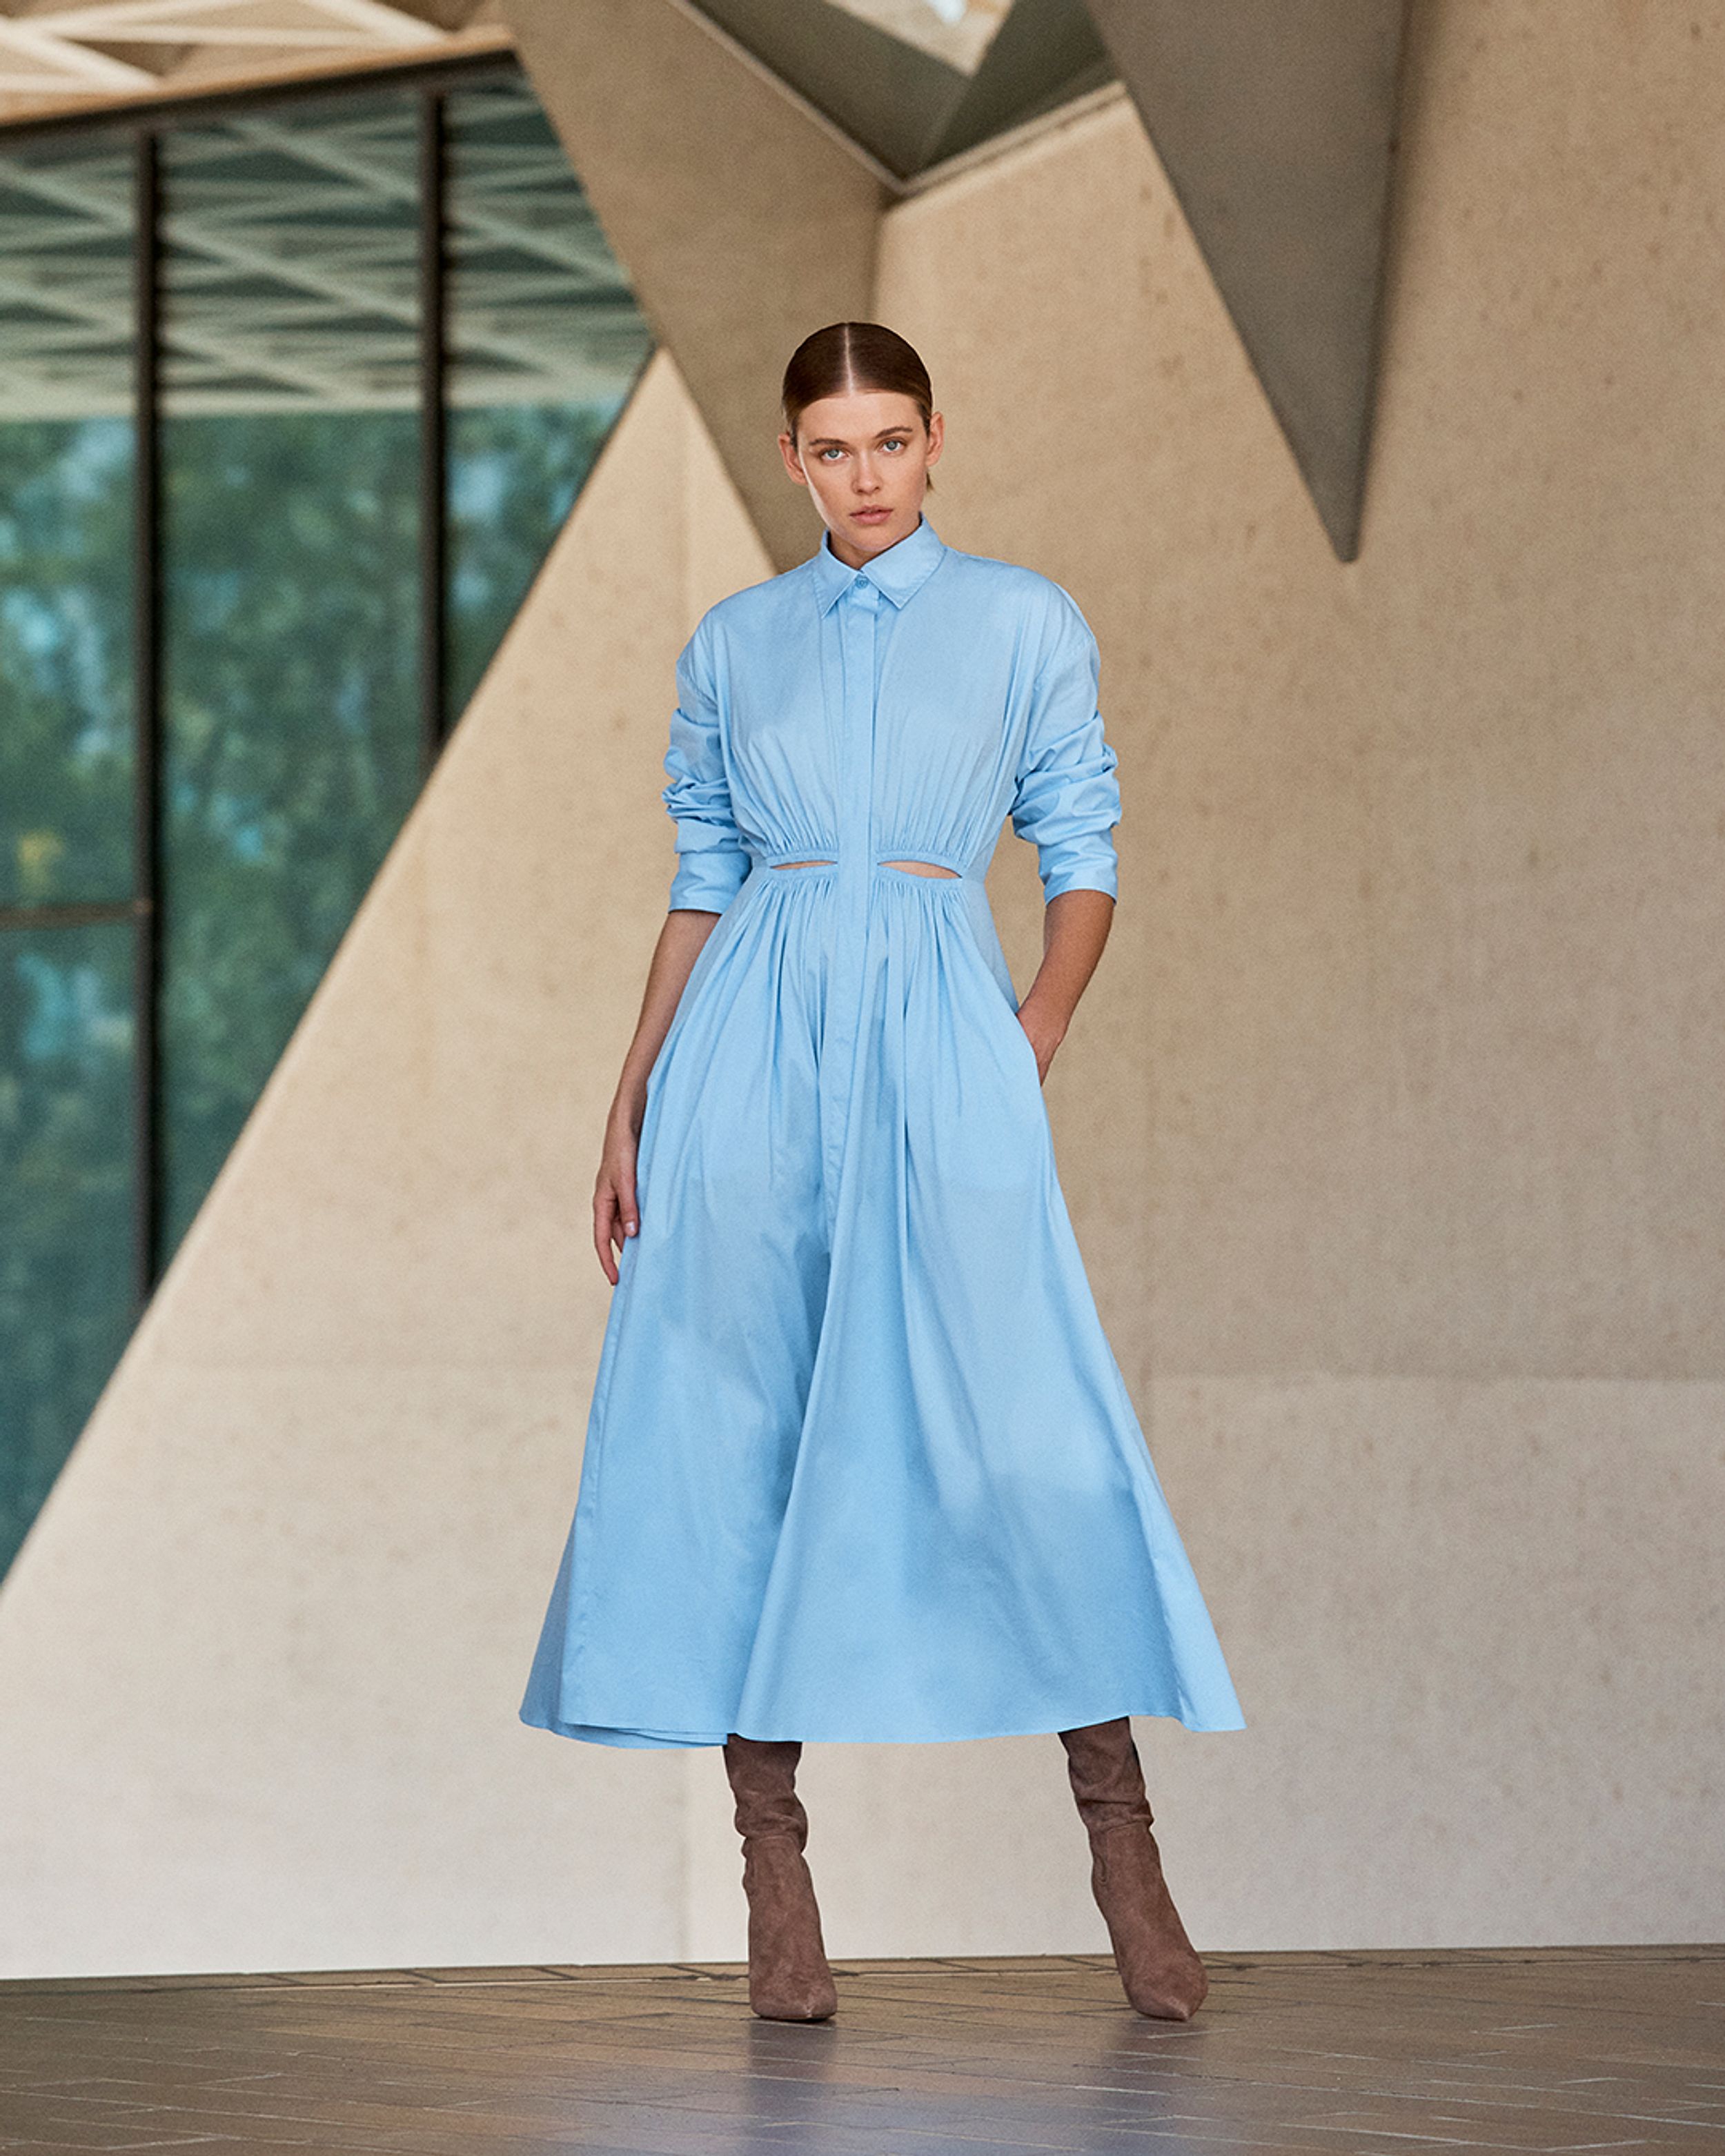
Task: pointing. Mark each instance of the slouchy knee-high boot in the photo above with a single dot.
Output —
(1159, 1969)
(788, 1976)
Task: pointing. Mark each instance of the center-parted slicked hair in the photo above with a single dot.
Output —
(846, 356)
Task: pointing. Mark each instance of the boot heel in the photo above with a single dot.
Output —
(1160, 1970)
(788, 1976)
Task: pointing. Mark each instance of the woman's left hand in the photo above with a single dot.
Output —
(1075, 927)
(1042, 1036)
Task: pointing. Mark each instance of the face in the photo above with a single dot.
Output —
(865, 457)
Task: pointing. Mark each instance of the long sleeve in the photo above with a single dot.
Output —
(712, 859)
(1068, 800)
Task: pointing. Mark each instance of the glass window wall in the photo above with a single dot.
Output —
(544, 343)
(290, 560)
(294, 394)
(68, 455)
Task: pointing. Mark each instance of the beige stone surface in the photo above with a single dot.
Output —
(1475, 1627)
(1416, 975)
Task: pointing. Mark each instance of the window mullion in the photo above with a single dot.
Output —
(147, 733)
(433, 534)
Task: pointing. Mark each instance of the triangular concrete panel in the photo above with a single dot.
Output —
(1276, 122)
(1045, 53)
(880, 91)
(904, 105)
(743, 218)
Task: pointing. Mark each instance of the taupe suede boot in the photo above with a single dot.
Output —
(788, 1976)
(1159, 1968)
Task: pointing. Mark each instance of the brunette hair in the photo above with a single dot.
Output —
(849, 356)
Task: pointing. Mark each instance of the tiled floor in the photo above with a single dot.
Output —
(1373, 2055)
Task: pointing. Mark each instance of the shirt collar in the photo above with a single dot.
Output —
(902, 569)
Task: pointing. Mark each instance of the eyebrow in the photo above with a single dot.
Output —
(838, 442)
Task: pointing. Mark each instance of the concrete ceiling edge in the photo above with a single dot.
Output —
(743, 221)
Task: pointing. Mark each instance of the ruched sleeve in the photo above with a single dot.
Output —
(1068, 800)
(712, 859)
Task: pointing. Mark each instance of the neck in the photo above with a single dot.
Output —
(853, 556)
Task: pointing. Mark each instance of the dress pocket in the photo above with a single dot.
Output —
(1023, 1042)
(978, 1126)
(1003, 1020)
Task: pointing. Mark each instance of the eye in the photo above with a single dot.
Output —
(895, 445)
(827, 453)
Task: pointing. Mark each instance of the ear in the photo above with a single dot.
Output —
(937, 437)
(786, 449)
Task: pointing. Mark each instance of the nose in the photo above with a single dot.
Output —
(868, 479)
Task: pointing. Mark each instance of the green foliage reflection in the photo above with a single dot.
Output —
(65, 668)
(515, 471)
(292, 626)
(290, 447)
(65, 1196)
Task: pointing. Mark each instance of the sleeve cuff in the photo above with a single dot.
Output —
(707, 879)
(1099, 872)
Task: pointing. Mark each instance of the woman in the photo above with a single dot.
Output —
(860, 1464)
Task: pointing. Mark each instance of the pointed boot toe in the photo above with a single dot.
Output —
(788, 1976)
(1160, 1970)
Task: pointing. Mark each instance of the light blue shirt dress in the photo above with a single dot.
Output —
(860, 1464)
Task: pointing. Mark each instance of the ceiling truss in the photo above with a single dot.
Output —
(291, 270)
(107, 49)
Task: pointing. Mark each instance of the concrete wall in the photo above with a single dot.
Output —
(1390, 1126)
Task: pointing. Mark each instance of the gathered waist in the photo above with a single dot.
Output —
(883, 898)
(789, 863)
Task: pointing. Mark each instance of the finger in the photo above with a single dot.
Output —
(603, 1231)
(629, 1210)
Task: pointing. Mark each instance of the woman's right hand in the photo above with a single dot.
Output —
(616, 1215)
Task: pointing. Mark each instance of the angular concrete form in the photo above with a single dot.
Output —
(907, 107)
(1045, 52)
(878, 91)
(1276, 122)
(744, 219)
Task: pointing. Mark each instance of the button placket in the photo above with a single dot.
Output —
(858, 610)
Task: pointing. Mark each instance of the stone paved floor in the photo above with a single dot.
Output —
(1373, 2055)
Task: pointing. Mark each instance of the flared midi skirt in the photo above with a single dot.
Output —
(860, 1464)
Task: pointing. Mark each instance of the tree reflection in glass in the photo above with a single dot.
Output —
(66, 1195)
(292, 378)
(546, 342)
(290, 533)
(66, 866)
